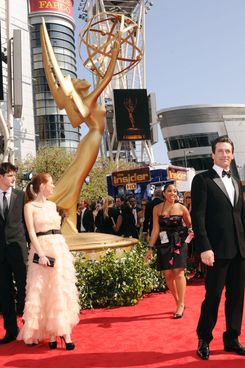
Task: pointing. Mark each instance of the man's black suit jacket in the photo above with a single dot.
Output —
(88, 221)
(148, 222)
(13, 230)
(217, 225)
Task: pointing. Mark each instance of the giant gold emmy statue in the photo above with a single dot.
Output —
(106, 37)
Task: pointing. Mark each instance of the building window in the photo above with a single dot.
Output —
(198, 163)
(190, 141)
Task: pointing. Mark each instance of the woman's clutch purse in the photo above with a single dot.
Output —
(51, 260)
(189, 238)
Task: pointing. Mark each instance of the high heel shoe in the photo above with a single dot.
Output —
(69, 345)
(179, 315)
(52, 345)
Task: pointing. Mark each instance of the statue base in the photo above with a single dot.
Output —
(94, 245)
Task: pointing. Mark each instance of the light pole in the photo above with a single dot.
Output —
(186, 152)
(10, 117)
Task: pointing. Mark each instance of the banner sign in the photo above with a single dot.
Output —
(58, 6)
(1, 71)
(132, 114)
(133, 176)
(177, 174)
(131, 186)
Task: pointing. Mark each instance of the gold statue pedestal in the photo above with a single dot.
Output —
(94, 245)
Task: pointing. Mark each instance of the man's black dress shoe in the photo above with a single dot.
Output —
(203, 349)
(8, 338)
(235, 347)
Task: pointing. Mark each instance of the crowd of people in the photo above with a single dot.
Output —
(124, 216)
(37, 274)
(120, 216)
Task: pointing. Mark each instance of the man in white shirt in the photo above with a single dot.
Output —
(85, 218)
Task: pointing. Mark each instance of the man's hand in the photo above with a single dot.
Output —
(207, 258)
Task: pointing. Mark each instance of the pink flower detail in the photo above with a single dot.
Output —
(178, 244)
(171, 261)
(177, 251)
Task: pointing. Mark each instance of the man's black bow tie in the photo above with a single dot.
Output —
(228, 173)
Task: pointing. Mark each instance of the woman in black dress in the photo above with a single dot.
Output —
(169, 234)
(107, 216)
(125, 225)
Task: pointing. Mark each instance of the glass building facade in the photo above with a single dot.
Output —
(192, 140)
(188, 132)
(182, 142)
(52, 125)
(199, 163)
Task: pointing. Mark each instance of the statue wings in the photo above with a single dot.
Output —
(61, 87)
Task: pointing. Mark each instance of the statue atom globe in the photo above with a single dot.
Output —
(98, 38)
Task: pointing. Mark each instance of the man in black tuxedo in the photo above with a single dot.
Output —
(13, 251)
(85, 218)
(218, 220)
(135, 209)
(148, 222)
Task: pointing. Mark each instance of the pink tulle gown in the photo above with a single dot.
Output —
(52, 302)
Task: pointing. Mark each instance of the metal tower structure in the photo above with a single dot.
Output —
(134, 79)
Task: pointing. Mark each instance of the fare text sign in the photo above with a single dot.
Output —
(60, 6)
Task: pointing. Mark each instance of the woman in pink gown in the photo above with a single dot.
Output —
(52, 302)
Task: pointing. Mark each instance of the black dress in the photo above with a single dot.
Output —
(105, 225)
(171, 247)
(128, 226)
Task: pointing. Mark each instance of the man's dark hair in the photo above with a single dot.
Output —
(6, 167)
(121, 197)
(222, 139)
(158, 193)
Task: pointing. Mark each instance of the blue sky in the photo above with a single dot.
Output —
(195, 54)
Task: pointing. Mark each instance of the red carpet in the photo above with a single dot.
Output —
(144, 335)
